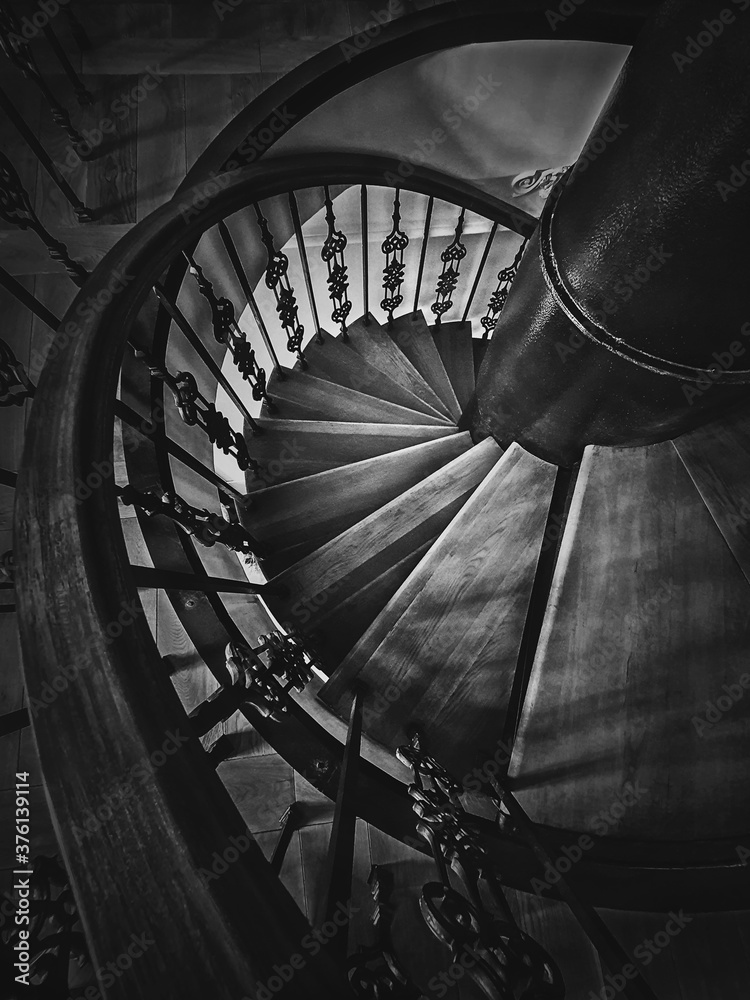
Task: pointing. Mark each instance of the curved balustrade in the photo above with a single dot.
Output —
(209, 289)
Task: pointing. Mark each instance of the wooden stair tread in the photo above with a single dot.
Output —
(454, 344)
(301, 396)
(717, 458)
(371, 341)
(327, 577)
(648, 617)
(412, 335)
(291, 449)
(320, 507)
(335, 362)
(338, 628)
(448, 640)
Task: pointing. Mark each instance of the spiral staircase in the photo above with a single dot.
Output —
(494, 663)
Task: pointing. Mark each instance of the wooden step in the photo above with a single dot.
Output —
(291, 449)
(338, 628)
(323, 580)
(333, 361)
(717, 458)
(370, 340)
(319, 507)
(412, 335)
(454, 344)
(648, 620)
(300, 396)
(449, 638)
(479, 349)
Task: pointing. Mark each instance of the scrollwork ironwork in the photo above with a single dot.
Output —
(15, 386)
(498, 298)
(332, 252)
(16, 209)
(227, 331)
(393, 247)
(447, 281)
(196, 410)
(287, 665)
(277, 279)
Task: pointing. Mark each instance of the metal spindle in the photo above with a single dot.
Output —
(447, 282)
(365, 254)
(277, 279)
(200, 349)
(84, 96)
(498, 298)
(28, 300)
(393, 247)
(196, 410)
(128, 416)
(340, 857)
(148, 578)
(480, 269)
(15, 208)
(332, 253)
(294, 209)
(289, 822)
(423, 253)
(15, 386)
(239, 270)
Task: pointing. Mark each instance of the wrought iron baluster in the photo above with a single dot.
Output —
(85, 97)
(239, 270)
(15, 208)
(204, 526)
(15, 386)
(505, 278)
(480, 271)
(332, 252)
(365, 252)
(195, 409)
(447, 281)
(299, 235)
(17, 290)
(423, 252)
(17, 49)
(287, 665)
(227, 331)
(277, 279)
(507, 962)
(83, 214)
(393, 247)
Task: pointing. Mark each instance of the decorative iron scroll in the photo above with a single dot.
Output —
(498, 298)
(393, 247)
(55, 936)
(447, 281)
(374, 972)
(541, 181)
(204, 526)
(15, 386)
(196, 410)
(15, 208)
(277, 279)
(287, 666)
(227, 331)
(502, 959)
(7, 567)
(332, 252)
(17, 49)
